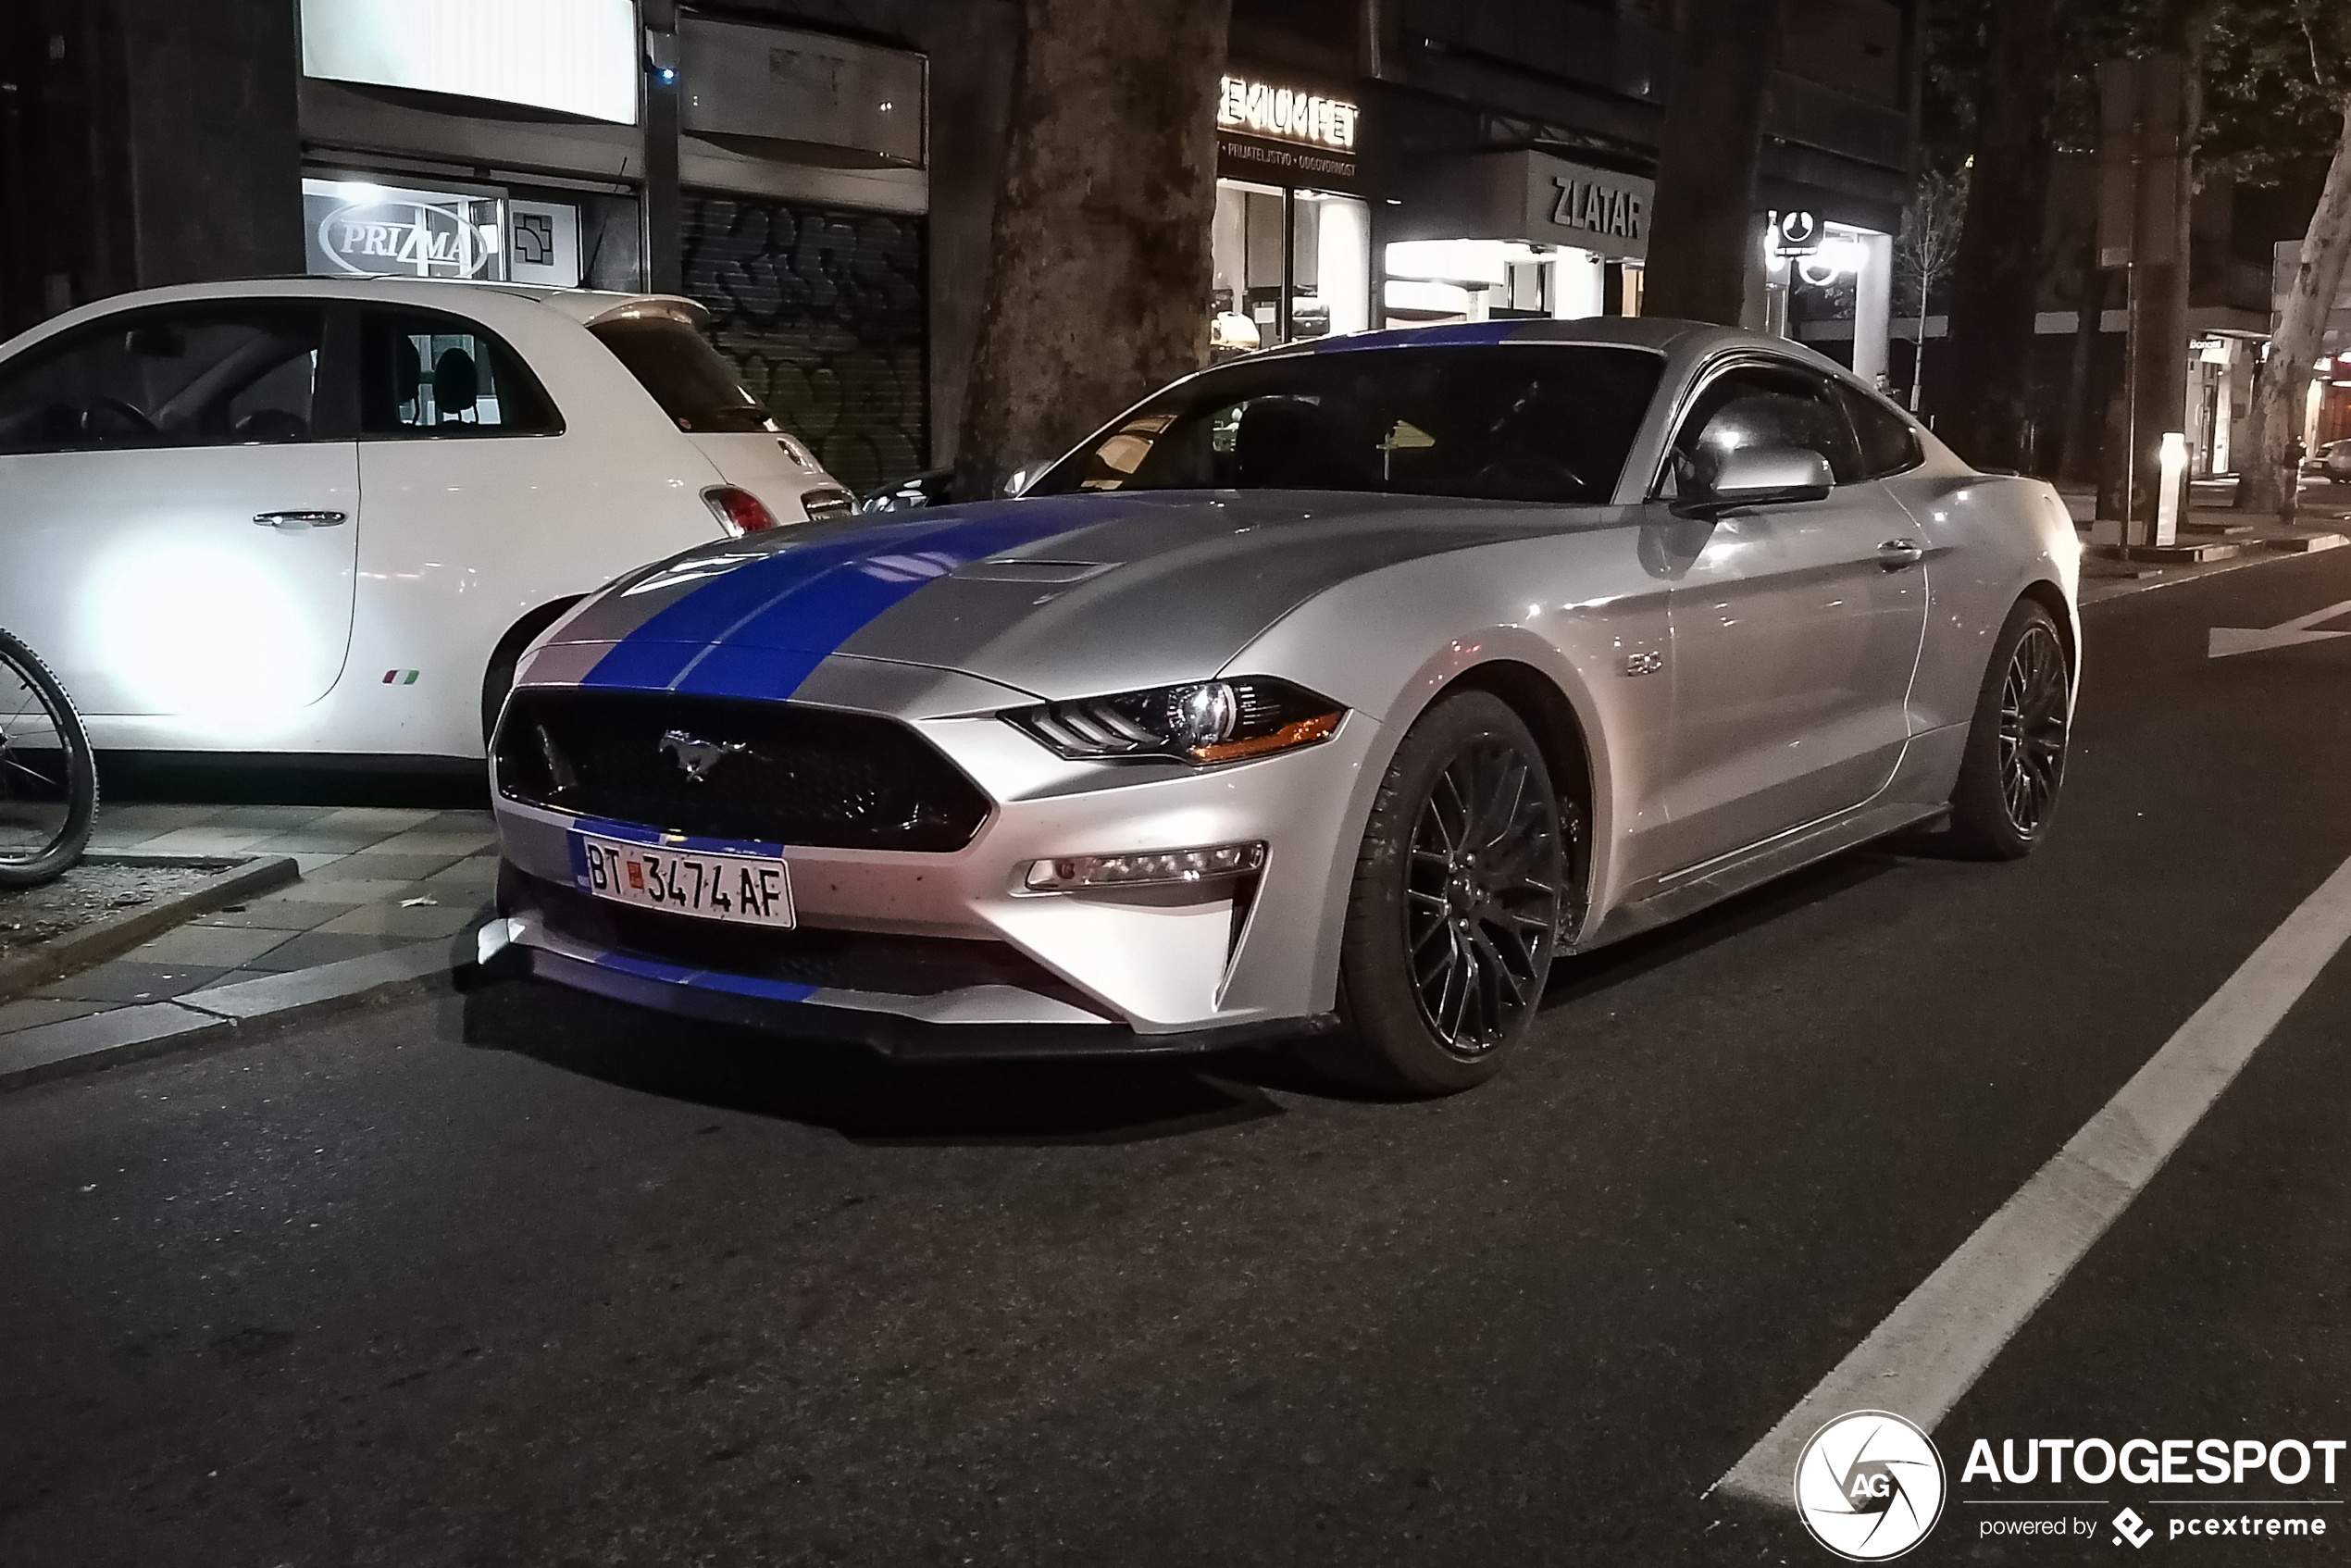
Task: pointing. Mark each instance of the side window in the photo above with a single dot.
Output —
(422, 373)
(1889, 445)
(185, 376)
(1758, 405)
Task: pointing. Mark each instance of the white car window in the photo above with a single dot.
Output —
(424, 373)
(182, 376)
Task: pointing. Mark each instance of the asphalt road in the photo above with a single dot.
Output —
(520, 1278)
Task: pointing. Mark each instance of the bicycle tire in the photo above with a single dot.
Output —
(43, 854)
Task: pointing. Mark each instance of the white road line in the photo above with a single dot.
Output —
(1931, 1350)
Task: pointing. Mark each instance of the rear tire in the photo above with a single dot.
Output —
(2014, 766)
(49, 802)
(1455, 908)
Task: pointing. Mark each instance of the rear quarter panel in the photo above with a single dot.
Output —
(1990, 538)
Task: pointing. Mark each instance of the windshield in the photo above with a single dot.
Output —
(1550, 422)
(691, 380)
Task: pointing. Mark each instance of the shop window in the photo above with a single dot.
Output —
(422, 373)
(185, 376)
(1288, 266)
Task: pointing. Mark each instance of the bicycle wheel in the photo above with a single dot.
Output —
(48, 777)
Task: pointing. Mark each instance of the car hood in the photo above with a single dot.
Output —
(1055, 596)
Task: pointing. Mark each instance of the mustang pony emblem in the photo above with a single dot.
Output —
(695, 756)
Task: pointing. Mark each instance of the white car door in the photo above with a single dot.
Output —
(178, 540)
(495, 488)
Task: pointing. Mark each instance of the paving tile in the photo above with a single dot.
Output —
(306, 863)
(319, 841)
(276, 914)
(221, 946)
(314, 948)
(419, 924)
(127, 981)
(374, 864)
(147, 818)
(476, 870)
(232, 977)
(206, 839)
(450, 842)
(35, 1010)
(280, 819)
(345, 890)
(382, 821)
(459, 822)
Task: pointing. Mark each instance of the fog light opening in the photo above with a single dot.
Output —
(1144, 868)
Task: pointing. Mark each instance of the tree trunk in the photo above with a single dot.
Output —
(1101, 271)
(1995, 281)
(2275, 417)
(1702, 231)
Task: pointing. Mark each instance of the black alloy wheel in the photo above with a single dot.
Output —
(2014, 769)
(1481, 899)
(2033, 729)
(1458, 903)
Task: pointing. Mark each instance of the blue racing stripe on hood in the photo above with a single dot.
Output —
(757, 631)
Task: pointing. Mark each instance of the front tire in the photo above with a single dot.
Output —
(1455, 905)
(2014, 766)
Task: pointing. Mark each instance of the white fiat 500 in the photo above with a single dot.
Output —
(325, 517)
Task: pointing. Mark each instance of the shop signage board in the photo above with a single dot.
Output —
(361, 228)
(1536, 198)
(571, 57)
(1283, 132)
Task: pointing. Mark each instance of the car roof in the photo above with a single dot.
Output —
(1685, 342)
(585, 306)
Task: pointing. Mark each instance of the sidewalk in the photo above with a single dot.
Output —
(375, 880)
(2324, 523)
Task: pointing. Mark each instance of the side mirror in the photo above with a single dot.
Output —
(1760, 475)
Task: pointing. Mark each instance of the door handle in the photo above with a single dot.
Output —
(1896, 554)
(295, 520)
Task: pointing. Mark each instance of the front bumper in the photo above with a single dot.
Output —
(949, 954)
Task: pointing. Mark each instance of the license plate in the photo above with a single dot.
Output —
(746, 889)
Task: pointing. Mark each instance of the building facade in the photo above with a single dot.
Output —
(822, 174)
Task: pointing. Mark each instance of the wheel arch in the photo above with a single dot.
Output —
(1550, 714)
(2050, 597)
(507, 651)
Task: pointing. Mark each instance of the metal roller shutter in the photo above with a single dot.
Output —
(822, 312)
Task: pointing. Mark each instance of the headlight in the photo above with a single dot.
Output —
(1207, 721)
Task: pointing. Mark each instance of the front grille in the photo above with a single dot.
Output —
(857, 961)
(771, 772)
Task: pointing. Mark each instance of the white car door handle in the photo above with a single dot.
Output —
(1896, 554)
(291, 520)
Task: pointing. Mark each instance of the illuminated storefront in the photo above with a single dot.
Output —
(1292, 237)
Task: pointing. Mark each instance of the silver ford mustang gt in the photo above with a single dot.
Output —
(1330, 692)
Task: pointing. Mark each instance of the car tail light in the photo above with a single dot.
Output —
(738, 510)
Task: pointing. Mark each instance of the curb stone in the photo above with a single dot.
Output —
(224, 1013)
(118, 934)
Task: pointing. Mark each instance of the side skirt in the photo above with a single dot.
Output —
(1776, 858)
